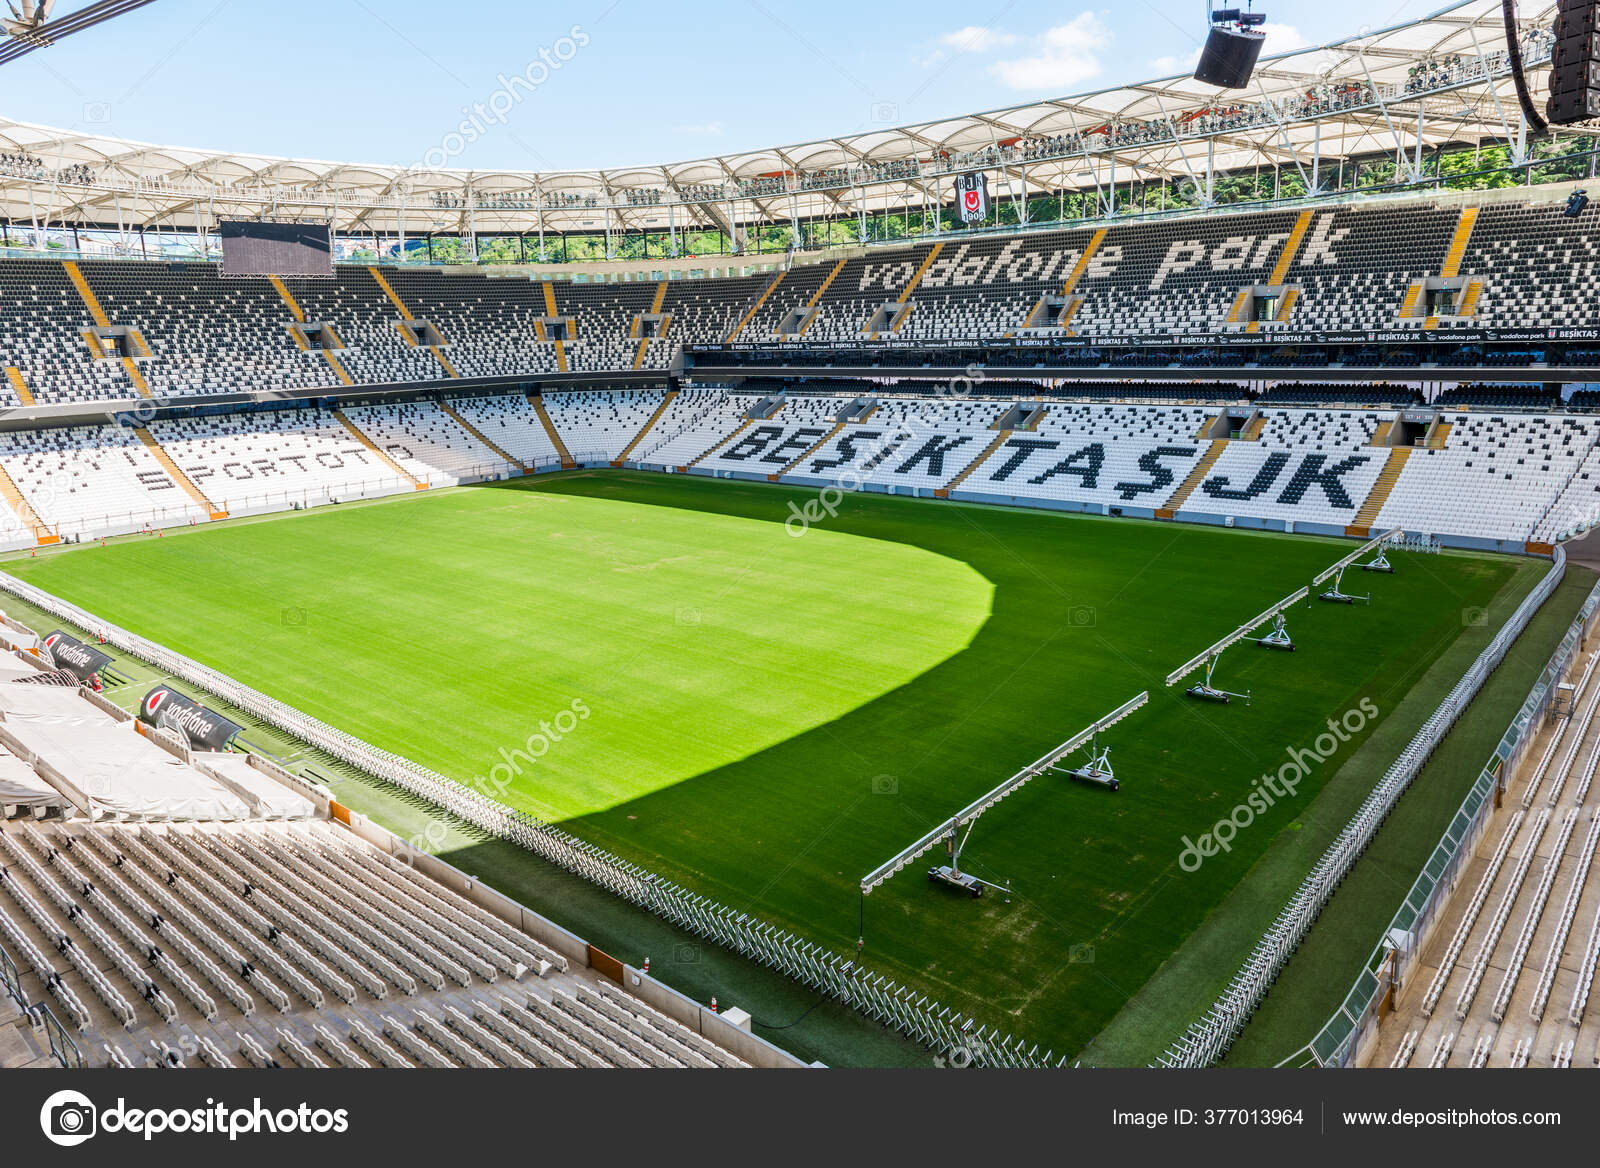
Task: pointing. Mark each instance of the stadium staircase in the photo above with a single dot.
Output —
(98, 315)
(567, 461)
(18, 385)
(1236, 313)
(410, 337)
(132, 369)
(1408, 306)
(810, 450)
(772, 286)
(24, 511)
(1452, 259)
(388, 290)
(1253, 428)
(1469, 298)
(816, 298)
(666, 401)
(999, 440)
(719, 443)
(1082, 266)
(655, 310)
(1196, 477)
(904, 309)
(449, 369)
(1379, 495)
(86, 294)
(175, 473)
(1458, 243)
(299, 315)
(561, 346)
(288, 299)
(1438, 436)
(1280, 270)
(1291, 248)
(18, 1050)
(1073, 303)
(383, 455)
(338, 369)
(499, 452)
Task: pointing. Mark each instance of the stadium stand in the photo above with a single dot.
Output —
(278, 459)
(95, 480)
(207, 909)
(205, 335)
(598, 425)
(1506, 977)
(696, 420)
(1494, 476)
(427, 444)
(115, 330)
(510, 423)
(1095, 454)
(1524, 477)
(43, 328)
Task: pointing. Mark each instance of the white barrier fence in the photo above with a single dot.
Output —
(961, 1039)
(1209, 1038)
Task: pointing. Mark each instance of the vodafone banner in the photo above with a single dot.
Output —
(73, 656)
(205, 729)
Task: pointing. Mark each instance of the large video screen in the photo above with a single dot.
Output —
(276, 249)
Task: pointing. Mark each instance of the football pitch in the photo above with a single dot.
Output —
(765, 713)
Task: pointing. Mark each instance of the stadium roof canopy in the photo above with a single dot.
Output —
(1441, 79)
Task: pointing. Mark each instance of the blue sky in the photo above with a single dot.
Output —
(621, 81)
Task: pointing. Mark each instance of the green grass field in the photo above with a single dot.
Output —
(766, 718)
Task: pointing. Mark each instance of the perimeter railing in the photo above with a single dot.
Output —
(62, 1046)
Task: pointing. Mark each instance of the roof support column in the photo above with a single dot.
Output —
(1494, 90)
(1416, 168)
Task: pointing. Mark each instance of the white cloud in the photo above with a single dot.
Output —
(977, 39)
(1282, 38)
(1066, 55)
(1172, 66)
(701, 129)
